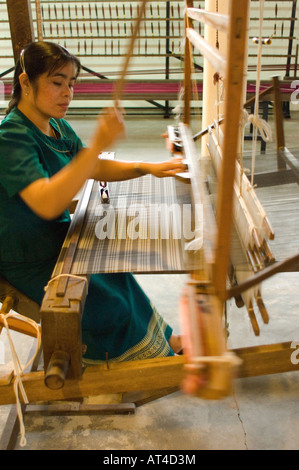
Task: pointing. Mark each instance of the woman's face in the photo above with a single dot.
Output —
(53, 93)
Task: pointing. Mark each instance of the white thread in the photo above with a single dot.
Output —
(263, 126)
(74, 276)
(18, 370)
(178, 110)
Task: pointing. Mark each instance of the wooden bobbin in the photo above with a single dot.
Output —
(57, 370)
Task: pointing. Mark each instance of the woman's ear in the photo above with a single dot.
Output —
(24, 83)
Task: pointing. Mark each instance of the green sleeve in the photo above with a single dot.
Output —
(20, 164)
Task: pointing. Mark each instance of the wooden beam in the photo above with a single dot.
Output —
(149, 374)
(187, 66)
(266, 359)
(21, 25)
(210, 52)
(262, 94)
(19, 325)
(278, 119)
(278, 114)
(215, 20)
(287, 265)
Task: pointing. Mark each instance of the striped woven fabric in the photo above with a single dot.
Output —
(137, 244)
(138, 232)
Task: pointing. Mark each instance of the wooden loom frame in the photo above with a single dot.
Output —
(64, 300)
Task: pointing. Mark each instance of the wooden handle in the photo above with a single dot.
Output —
(120, 83)
(57, 370)
(281, 266)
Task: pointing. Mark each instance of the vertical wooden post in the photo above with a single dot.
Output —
(21, 25)
(187, 67)
(278, 114)
(210, 92)
(232, 112)
(278, 118)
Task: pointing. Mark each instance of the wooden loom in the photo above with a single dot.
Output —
(209, 365)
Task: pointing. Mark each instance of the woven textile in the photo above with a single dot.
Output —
(138, 232)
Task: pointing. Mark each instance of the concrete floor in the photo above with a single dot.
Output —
(262, 413)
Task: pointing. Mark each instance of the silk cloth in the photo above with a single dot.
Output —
(139, 231)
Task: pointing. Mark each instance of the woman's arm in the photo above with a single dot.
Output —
(115, 170)
(48, 198)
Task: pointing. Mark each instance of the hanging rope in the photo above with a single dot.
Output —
(18, 369)
(258, 123)
(73, 276)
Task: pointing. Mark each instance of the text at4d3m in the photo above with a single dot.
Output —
(155, 459)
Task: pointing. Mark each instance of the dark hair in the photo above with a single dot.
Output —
(37, 58)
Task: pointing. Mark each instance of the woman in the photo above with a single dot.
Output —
(43, 165)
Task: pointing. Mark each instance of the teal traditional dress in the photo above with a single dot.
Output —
(118, 317)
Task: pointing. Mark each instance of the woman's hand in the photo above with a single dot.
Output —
(110, 128)
(163, 169)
